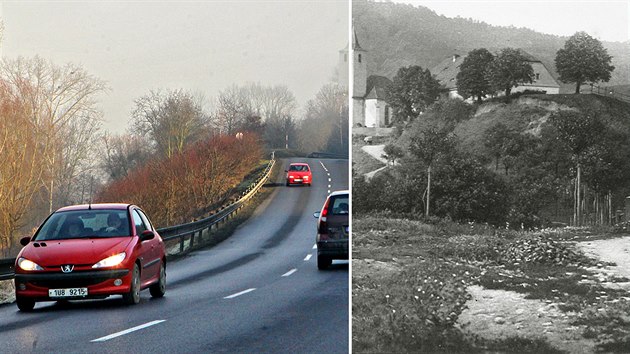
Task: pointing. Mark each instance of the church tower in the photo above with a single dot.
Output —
(359, 79)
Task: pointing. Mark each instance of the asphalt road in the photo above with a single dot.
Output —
(258, 291)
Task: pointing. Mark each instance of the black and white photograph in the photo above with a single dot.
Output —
(491, 176)
(174, 176)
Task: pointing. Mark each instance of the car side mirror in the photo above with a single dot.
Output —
(316, 214)
(286, 170)
(25, 240)
(147, 235)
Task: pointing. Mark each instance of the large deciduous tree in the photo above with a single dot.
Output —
(583, 60)
(413, 89)
(472, 79)
(61, 101)
(509, 68)
(325, 123)
(171, 119)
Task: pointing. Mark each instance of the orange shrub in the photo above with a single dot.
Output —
(178, 189)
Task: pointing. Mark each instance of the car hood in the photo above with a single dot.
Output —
(298, 173)
(74, 251)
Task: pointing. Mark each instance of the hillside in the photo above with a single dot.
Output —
(397, 35)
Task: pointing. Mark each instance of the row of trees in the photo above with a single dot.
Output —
(582, 60)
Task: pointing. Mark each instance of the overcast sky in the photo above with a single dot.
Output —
(604, 20)
(202, 46)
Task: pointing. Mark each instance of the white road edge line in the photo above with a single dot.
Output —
(122, 333)
(289, 272)
(308, 256)
(240, 293)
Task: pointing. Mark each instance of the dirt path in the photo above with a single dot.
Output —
(494, 314)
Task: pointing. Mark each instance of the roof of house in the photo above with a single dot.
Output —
(446, 71)
(355, 42)
(376, 87)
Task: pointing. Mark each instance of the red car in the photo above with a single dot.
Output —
(299, 173)
(91, 251)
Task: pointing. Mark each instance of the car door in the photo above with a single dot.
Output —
(146, 249)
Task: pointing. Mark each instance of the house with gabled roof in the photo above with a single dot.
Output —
(446, 73)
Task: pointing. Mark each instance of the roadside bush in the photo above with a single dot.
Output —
(413, 311)
(179, 189)
(540, 249)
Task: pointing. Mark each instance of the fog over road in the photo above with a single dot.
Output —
(258, 291)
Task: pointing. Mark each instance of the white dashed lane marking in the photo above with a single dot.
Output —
(240, 293)
(308, 256)
(289, 272)
(315, 246)
(122, 333)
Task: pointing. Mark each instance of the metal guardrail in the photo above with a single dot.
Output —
(187, 234)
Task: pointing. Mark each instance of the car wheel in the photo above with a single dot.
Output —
(158, 289)
(25, 304)
(323, 262)
(288, 183)
(133, 296)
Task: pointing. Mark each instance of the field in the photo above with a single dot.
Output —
(446, 287)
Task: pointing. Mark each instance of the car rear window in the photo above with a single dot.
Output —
(300, 168)
(84, 224)
(339, 205)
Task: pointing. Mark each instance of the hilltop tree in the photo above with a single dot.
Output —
(411, 92)
(472, 80)
(582, 60)
(509, 69)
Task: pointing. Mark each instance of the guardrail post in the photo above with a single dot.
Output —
(181, 244)
(192, 239)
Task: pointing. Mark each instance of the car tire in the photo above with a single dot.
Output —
(25, 304)
(133, 296)
(323, 262)
(288, 184)
(159, 288)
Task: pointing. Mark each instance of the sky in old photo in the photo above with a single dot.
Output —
(604, 20)
(201, 46)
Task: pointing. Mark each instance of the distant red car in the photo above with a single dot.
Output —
(299, 173)
(91, 251)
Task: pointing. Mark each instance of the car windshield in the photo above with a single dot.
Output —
(301, 168)
(84, 224)
(340, 205)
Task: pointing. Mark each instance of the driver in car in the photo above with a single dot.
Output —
(113, 223)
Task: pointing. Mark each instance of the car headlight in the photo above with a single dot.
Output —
(290, 176)
(305, 177)
(25, 264)
(111, 261)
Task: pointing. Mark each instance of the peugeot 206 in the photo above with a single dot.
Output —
(91, 251)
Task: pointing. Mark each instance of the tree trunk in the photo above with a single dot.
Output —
(577, 87)
(428, 190)
(579, 197)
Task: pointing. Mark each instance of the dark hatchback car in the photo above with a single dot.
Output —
(333, 229)
(91, 251)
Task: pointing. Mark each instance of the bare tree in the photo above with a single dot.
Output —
(22, 167)
(123, 153)
(61, 101)
(171, 119)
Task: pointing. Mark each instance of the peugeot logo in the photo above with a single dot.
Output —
(67, 268)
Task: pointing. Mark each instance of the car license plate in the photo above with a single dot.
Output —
(70, 292)
(298, 180)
